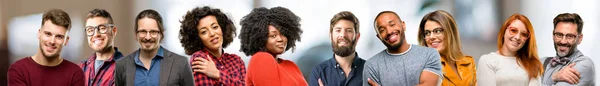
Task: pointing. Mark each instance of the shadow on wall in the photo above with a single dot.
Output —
(314, 56)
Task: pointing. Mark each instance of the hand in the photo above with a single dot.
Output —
(567, 74)
(320, 82)
(371, 82)
(206, 66)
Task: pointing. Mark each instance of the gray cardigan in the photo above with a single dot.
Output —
(175, 70)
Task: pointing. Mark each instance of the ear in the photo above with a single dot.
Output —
(579, 39)
(66, 41)
(357, 36)
(114, 30)
(39, 33)
(403, 26)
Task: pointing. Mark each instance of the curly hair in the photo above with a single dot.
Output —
(254, 32)
(188, 34)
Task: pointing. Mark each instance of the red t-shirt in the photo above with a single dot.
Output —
(264, 70)
(26, 72)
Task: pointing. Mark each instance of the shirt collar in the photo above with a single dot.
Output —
(117, 55)
(159, 54)
(336, 64)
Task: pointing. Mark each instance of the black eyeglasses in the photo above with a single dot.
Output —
(102, 29)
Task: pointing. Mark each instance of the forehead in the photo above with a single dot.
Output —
(566, 27)
(53, 28)
(147, 24)
(386, 17)
(207, 20)
(518, 24)
(93, 21)
(430, 25)
(344, 24)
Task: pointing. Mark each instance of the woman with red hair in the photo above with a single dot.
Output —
(515, 63)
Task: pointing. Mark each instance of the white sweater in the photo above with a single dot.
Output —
(494, 69)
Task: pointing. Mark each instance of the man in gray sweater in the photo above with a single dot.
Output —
(570, 66)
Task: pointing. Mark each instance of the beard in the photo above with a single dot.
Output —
(149, 48)
(344, 50)
(394, 46)
(46, 55)
(569, 51)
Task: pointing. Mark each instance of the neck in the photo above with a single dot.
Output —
(46, 61)
(216, 53)
(507, 52)
(403, 48)
(148, 54)
(105, 55)
(345, 62)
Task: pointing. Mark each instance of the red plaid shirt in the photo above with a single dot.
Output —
(231, 68)
(105, 75)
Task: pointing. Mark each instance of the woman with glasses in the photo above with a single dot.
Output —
(516, 62)
(439, 30)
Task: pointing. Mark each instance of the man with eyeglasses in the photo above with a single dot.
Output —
(152, 65)
(99, 67)
(570, 66)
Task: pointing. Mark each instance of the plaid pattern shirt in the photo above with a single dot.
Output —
(105, 75)
(231, 68)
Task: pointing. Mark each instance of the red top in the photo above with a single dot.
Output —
(264, 70)
(26, 72)
(232, 70)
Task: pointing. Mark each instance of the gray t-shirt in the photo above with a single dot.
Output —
(402, 69)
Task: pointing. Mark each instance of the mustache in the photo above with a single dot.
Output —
(148, 40)
(563, 44)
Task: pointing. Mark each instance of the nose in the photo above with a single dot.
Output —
(211, 33)
(96, 33)
(147, 35)
(518, 36)
(52, 40)
(279, 38)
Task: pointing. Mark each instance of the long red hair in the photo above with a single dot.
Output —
(526, 56)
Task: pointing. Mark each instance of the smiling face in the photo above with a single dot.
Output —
(148, 34)
(435, 37)
(276, 42)
(210, 33)
(52, 38)
(566, 38)
(515, 36)
(390, 30)
(344, 38)
(97, 41)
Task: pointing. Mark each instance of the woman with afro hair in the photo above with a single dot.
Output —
(266, 34)
(204, 33)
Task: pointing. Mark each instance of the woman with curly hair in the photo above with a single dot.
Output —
(204, 33)
(266, 34)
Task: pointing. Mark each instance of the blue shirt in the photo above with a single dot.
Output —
(331, 74)
(148, 77)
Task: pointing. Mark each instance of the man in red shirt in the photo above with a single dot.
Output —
(46, 67)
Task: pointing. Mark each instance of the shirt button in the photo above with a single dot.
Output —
(341, 72)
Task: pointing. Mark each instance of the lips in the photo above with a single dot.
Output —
(280, 46)
(435, 44)
(392, 38)
(50, 48)
(97, 41)
(214, 40)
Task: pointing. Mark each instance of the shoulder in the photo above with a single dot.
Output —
(68, 65)
(422, 49)
(323, 65)
(233, 56)
(262, 57)
(584, 61)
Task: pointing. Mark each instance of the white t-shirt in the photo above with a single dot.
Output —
(494, 69)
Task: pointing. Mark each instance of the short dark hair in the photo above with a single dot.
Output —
(188, 34)
(149, 13)
(57, 17)
(344, 15)
(100, 13)
(254, 32)
(569, 18)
